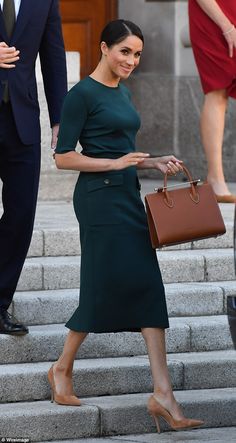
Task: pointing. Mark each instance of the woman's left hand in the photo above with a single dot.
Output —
(169, 164)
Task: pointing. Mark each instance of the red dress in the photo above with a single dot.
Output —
(216, 69)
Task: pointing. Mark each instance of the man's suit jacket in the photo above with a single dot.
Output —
(37, 30)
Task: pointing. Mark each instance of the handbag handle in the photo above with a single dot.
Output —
(194, 195)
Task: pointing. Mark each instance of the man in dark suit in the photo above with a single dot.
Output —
(27, 27)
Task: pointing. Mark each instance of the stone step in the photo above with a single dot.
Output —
(176, 266)
(186, 334)
(197, 265)
(120, 375)
(111, 415)
(202, 435)
(50, 273)
(183, 299)
(56, 241)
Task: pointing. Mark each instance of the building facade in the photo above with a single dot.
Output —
(166, 87)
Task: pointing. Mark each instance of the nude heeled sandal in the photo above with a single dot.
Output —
(66, 400)
(156, 410)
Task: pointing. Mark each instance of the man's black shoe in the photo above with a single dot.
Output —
(9, 325)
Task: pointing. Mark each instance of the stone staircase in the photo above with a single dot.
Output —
(112, 372)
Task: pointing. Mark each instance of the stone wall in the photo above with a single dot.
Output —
(166, 91)
(170, 109)
(166, 88)
(165, 28)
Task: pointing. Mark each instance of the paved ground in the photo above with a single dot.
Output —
(219, 435)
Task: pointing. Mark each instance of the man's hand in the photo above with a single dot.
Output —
(55, 130)
(8, 55)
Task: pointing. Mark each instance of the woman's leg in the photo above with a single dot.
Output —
(155, 342)
(62, 369)
(212, 131)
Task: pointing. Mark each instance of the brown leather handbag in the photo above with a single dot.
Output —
(183, 215)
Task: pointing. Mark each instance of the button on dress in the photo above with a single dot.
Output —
(216, 69)
(121, 287)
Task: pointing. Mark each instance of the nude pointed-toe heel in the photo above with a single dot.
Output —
(156, 419)
(156, 410)
(65, 400)
(228, 198)
(52, 396)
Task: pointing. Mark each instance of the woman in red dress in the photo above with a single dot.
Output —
(213, 37)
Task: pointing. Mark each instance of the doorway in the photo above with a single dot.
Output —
(82, 23)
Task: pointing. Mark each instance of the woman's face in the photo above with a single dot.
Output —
(122, 58)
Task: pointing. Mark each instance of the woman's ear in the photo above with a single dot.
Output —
(104, 48)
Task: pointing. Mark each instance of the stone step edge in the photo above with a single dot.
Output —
(45, 242)
(222, 284)
(177, 321)
(94, 363)
(44, 343)
(117, 376)
(113, 415)
(180, 266)
(183, 299)
(227, 287)
(18, 380)
(194, 395)
(204, 435)
(160, 253)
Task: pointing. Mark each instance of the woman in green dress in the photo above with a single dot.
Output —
(121, 285)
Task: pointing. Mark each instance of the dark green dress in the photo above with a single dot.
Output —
(121, 286)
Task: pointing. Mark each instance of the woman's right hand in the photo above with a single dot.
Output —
(131, 159)
(230, 37)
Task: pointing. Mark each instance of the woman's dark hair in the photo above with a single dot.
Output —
(117, 31)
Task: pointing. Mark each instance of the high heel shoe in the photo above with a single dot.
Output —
(228, 198)
(156, 410)
(66, 400)
(224, 198)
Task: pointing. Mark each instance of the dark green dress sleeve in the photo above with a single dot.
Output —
(73, 119)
